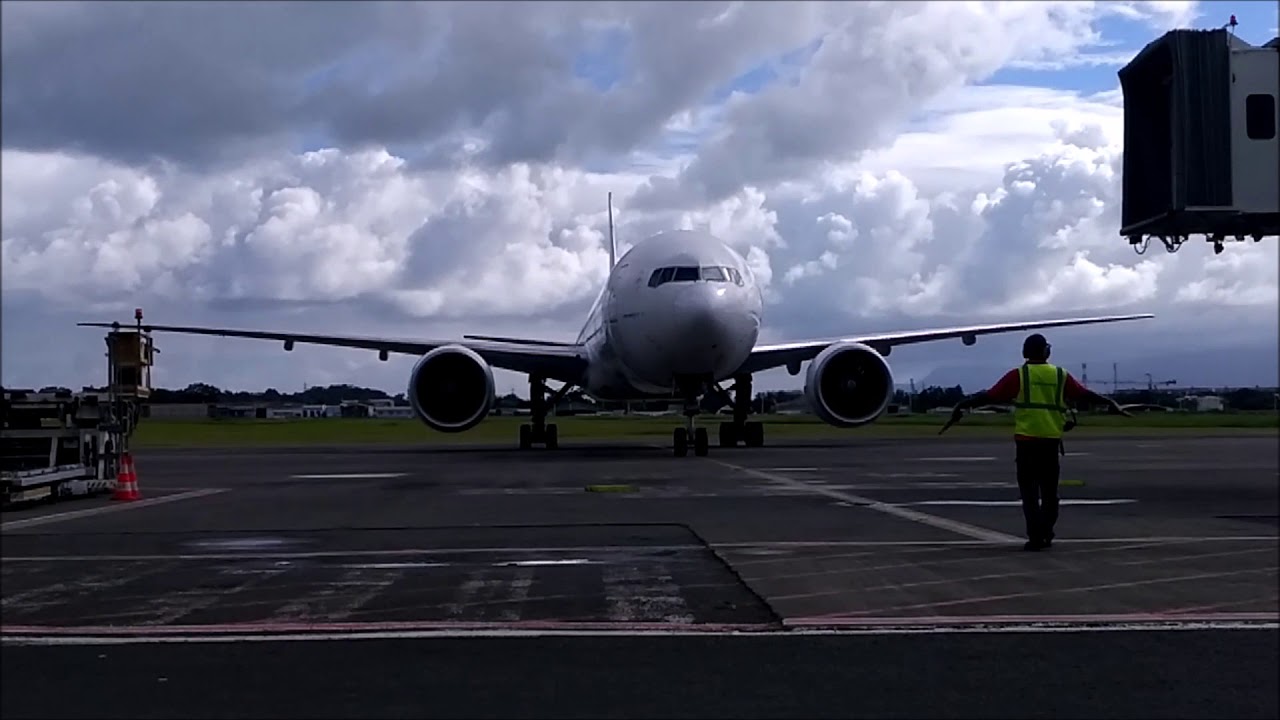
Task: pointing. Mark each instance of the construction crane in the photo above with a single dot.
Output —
(1116, 383)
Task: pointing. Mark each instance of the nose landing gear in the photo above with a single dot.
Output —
(739, 430)
(681, 439)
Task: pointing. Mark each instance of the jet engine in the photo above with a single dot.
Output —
(451, 389)
(848, 384)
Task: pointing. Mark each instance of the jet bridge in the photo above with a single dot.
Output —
(1201, 152)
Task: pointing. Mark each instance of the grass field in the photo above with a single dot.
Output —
(343, 431)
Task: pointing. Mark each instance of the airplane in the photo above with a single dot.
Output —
(679, 314)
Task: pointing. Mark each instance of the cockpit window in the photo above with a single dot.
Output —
(661, 276)
(710, 273)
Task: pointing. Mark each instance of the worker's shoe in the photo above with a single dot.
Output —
(1032, 545)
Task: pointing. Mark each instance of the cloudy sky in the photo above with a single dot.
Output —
(428, 170)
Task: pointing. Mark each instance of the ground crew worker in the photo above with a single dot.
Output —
(1039, 393)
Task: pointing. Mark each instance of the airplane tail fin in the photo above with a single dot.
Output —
(613, 247)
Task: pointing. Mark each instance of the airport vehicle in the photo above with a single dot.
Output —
(679, 314)
(56, 444)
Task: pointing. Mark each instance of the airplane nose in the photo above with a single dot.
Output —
(700, 319)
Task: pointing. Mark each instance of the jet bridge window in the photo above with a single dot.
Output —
(1260, 116)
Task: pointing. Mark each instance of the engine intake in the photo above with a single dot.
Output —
(451, 389)
(849, 384)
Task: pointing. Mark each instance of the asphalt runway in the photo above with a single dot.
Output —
(869, 577)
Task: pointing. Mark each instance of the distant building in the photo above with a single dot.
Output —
(1145, 407)
(237, 411)
(1203, 403)
(317, 411)
(176, 410)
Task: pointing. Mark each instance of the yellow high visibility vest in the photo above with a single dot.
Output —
(1039, 410)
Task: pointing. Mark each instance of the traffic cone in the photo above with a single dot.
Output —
(126, 480)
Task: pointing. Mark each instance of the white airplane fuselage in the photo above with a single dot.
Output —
(698, 319)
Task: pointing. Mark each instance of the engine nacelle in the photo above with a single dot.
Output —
(849, 384)
(451, 389)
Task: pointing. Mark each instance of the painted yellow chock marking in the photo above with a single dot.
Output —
(610, 488)
(1071, 483)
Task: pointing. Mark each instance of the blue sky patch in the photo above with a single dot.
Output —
(760, 76)
(1123, 38)
(603, 62)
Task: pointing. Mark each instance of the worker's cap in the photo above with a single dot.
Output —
(1035, 344)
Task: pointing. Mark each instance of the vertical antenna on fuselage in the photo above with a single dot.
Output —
(613, 249)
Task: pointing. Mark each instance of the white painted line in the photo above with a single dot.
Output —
(348, 476)
(104, 509)
(675, 629)
(1094, 619)
(259, 543)
(941, 523)
(835, 544)
(351, 553)
(1018, 503)
(1077, 454)
(538, 563)
(925, 474)
(994, 618)
(755, 544)
(394, 565)
(916, 485)
(976, 458)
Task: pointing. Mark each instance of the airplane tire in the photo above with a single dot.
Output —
(552, 440)
(526, 436)
(700, 441)
(754, 434)
(681, 441)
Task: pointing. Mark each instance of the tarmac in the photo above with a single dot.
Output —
(866, 577)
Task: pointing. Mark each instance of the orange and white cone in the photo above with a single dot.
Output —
(127, 480)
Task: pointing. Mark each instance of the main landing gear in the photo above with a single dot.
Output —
(749, 433)
(540, 431)
(738, 430)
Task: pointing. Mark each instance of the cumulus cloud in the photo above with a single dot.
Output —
(869, 73)
(395, 169)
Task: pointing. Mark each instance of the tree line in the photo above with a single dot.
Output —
(925, 399)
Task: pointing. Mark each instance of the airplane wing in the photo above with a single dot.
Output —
(518, 341)
(565, 363)
(765, 357)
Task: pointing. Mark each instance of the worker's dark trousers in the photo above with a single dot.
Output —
(1037, 461)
